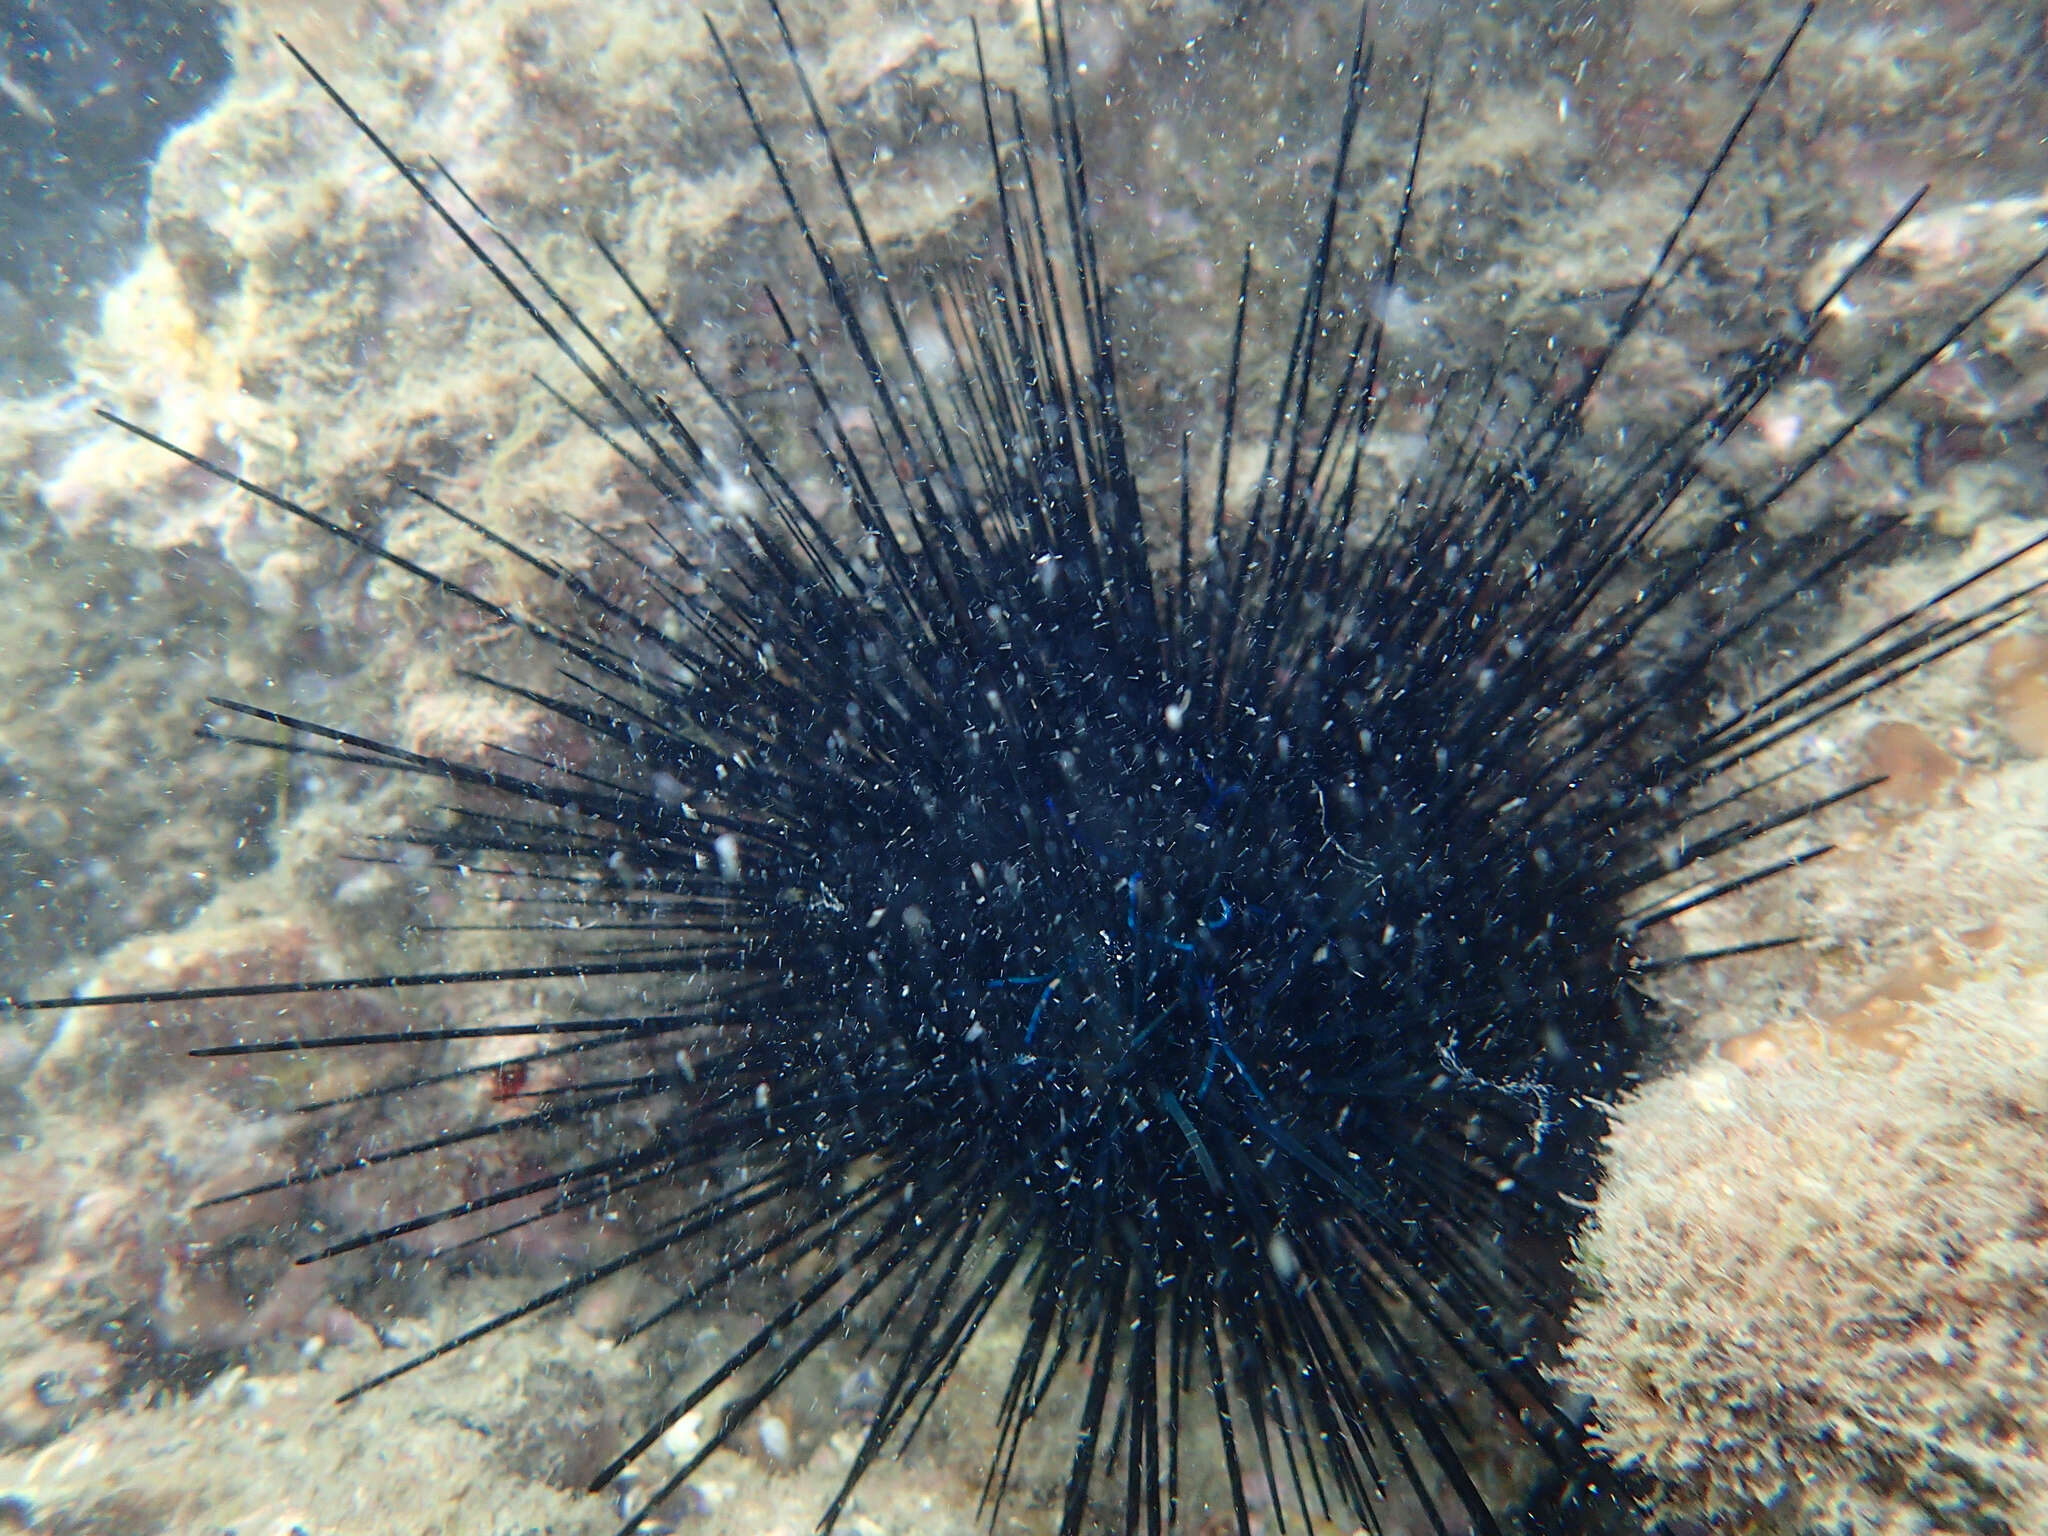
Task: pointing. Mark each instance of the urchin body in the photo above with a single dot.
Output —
(1257, 1010)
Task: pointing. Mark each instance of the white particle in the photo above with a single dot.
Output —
(727, 847)
(684, 1436)
(1281, 1253)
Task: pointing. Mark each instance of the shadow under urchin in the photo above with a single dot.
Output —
(1210, 928)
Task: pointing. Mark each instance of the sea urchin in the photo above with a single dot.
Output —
(1211, 929)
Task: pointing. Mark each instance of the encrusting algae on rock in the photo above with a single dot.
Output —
(1815, 1290)
(1819, 1289)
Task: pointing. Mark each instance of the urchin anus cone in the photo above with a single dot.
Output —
(1202, 930)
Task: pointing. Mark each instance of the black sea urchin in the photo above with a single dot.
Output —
(1210, 929)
